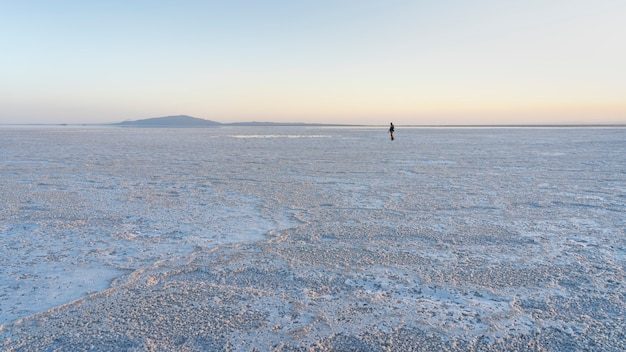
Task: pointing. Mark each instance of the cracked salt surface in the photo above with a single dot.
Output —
(312, 238)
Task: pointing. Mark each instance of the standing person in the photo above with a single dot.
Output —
(391, 129)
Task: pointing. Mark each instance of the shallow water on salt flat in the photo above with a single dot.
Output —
(82, 206)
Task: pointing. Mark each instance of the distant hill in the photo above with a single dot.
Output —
(189, 121)
(171, 121)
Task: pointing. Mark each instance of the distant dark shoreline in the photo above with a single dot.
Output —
(190, 121)
(286, 124)
(186, 121)
(522, 126)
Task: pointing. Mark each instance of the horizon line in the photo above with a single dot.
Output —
(314, 124)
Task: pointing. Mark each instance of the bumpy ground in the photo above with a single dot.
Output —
(479, 242)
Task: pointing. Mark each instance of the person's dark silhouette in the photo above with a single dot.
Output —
(391, 130)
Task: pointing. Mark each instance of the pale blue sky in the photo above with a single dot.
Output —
(348, 61)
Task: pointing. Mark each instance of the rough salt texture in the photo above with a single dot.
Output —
(459, 240)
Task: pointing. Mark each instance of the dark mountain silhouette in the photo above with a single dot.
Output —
(189, 121)
(171, 121)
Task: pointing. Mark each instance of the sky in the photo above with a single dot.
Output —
(323, 61)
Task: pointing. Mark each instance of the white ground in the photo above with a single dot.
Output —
(312, 238)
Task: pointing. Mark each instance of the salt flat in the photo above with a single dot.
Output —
(312, 239)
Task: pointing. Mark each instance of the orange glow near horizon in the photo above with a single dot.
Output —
(365, 62)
